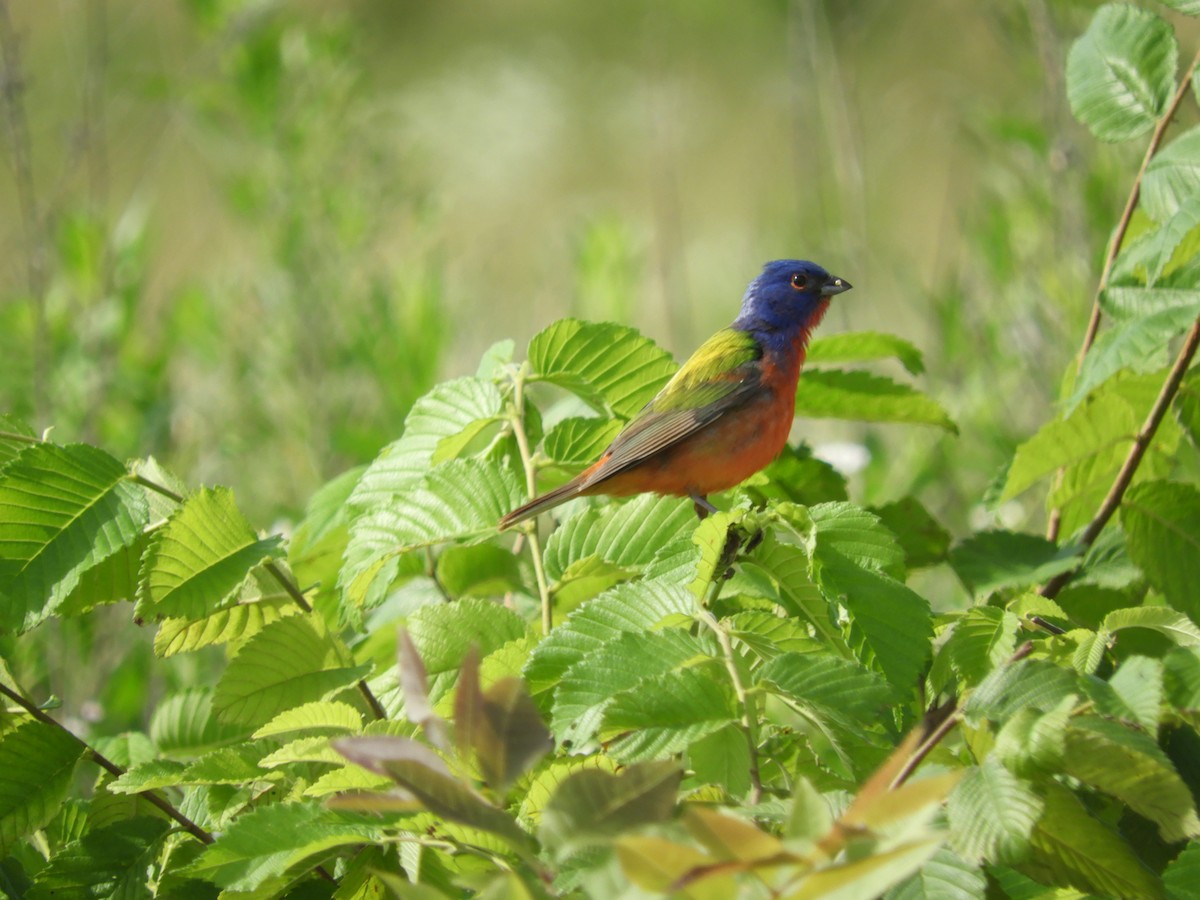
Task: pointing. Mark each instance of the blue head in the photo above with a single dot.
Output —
(789, 297)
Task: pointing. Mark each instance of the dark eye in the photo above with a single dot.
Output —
(799, 281)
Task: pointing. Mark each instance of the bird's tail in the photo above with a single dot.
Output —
(538, 505)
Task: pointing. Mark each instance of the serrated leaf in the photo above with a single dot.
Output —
(184, 725)
(663, 716)
(1182, 876)
(1035, 684)
(627, 534)
(865, 346)
(635, 607)
(149, 776)
(422, 773)
(447, 410)
(590, 684)
(609, 367)
(944, 876)
(268, 841)
(1130, 766)
(37, 762)
(1128, 304)
(197, 561)
(222, 627)
(922, 538)
(982, 640)
(992, 560)
(1181, 678)
(833, 394)
(63, 510)
(1162, 522)
(105, 862)
(577, 441)
(1172, 176)
(112, 580)
(723, 759)
(1175, 625)
(867, 876)
(443, 634)
(891, 625)
(992, 814)
(1077, 849)
(858, 535)
(484, 570)
(592, 805)
(655, 864)
(290, 662)
(457, 501)
(1139, 344)
(832, 688)
(15, 436)
(1121, 72)
(319, 717)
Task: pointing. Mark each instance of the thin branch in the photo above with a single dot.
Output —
(1141, 443)
(744, 700)
(946, 726)
(108, 765)
(535, 547)
(1118, 238)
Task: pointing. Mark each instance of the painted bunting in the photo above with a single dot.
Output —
(727, 412)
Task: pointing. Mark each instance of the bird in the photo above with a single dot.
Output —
(726, 413)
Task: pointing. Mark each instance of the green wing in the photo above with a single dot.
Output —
(721, 373)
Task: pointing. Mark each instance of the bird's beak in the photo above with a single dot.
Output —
(835, 286)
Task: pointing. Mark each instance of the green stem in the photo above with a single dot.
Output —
(745, 701)
(535, 548)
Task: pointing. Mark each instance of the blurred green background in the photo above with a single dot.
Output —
(244, 235)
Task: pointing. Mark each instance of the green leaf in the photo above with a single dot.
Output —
(197, 561)
(1138, 344)
(723, 759)
(865, 346)
(1181, 678)
(1172, 176)
(627, 535)
(1162, 522)
(112, 580)
(1187, 7)
(1121, 72)
(461, 500)
(870, 875)
(1138, 683)
(922, 538)
(982, 640)
(269, 841)
(944, 877)
(63, 510)
(634, 607)
(421, 772)
(992, 560)
(37, 762)
(891, 625)
(1077, 849)
(1182, 876)
(1129, 304)
(1034, 684)
(184, 725)
(858, 535)
(443, 634)
(106, 862)
(484, 570)
(668, 713)
(1166, 621)
(609, 367)
(317, 717)
(589, 685)
(594, 806)
(1130, 766)
(446, 411)
(290, 662)
(832, 394)
(577, 441)
(992, 814)
(224, 626)
(832, 689)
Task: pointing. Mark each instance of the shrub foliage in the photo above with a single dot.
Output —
(759, 704)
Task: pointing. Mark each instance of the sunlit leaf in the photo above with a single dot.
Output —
(63, 510)
(992, 814)
(944, 876)
(1172, 176)
(991, 560)
(1121, 72)
(1162, 521)
(198, 560)
(317, 717)
(105, 862)
(443, 634)
(865, 346)
(610, 367)
(833, 394)
(663, 715)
